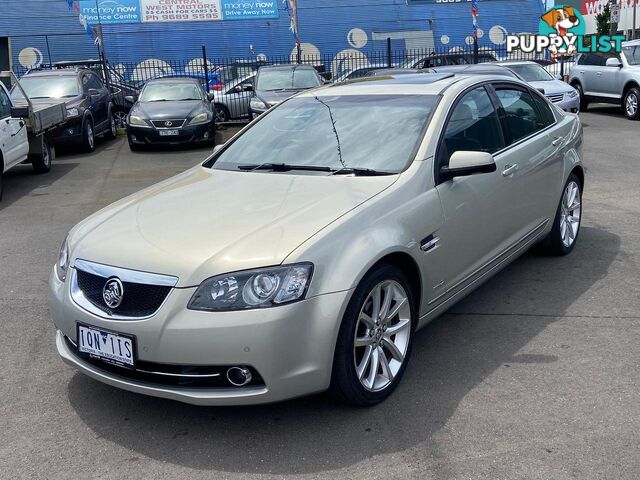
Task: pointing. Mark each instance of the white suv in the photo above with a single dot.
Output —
(610, 78)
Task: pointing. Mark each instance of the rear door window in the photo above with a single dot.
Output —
(520, 113)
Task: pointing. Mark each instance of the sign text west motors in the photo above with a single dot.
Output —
(180, 10)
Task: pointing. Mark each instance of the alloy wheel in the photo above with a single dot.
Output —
(121, 119)
(46, 157)
(382, 335)
(90, 138)
(570, 214)
(114, 127)
(631, 104)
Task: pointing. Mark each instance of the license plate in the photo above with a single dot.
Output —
(168, 133)
(109, 346)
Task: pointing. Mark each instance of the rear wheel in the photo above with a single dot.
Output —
(631, 103)
(112, 132)
(375, 338)
(88, 138)
(222, 114)
(42, 162)
(121, 118)
(584, 103)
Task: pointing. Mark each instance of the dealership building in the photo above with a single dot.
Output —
(135, 31)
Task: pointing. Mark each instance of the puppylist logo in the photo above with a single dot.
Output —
(561, 30)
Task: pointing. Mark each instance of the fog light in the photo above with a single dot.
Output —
(239, 376)
(70, 131)
(206, 135)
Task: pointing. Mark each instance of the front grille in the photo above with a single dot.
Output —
(175, 123)
(138, 300)
(555, 98)
(163, 374)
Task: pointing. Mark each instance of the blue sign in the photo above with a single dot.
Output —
(248, 9)
(110, 11)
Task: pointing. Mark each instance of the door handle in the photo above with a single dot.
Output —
(509, 169)
(599, 74)
(556, 141)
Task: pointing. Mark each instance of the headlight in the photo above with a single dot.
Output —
(200, 118)
(257, 104)
(572, 94)
(73, 112)
(261, 288)
(135, 120)
(62, 265)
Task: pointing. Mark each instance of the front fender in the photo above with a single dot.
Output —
(395, 221)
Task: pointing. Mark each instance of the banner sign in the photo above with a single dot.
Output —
(246, 10)
(180, 10)
(110, 11)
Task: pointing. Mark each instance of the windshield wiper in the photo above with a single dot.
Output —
(284, 167)
(362, 172)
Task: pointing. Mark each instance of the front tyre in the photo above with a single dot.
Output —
(631, 103)
(375, 338)
(584, 103)
(88, 138)
(566, 225)
(42, 161)
(113, 128)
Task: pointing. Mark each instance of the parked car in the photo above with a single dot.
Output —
(440, 60)
(610, 78)
(119, 87)
(25, 133)
(90, 111)
(171, 111)
(558, 92)
(304, 254)
(232, 102)
(276, 83)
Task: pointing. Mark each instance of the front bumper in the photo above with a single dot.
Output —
(70, 133)
(290, 346)
(203, 133)
(569, 104)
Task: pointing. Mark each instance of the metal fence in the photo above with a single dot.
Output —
(230, 80)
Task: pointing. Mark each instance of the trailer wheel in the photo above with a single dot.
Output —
(42, 161)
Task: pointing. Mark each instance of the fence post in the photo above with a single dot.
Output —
(205, 66)
(475, 49)
(389, 59)
(46, 39)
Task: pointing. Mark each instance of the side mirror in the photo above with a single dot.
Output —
(541, 90)
(464, 163)
(20, 112)
(327, 76)
(210, 96)
(218, 147)
(130, 99)
(557, 76)
(613, 62)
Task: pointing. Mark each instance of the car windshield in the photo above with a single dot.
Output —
(632, 54)
(531, 73)
(47, 87)
(287, 79)
(377, 132)
(170, 92)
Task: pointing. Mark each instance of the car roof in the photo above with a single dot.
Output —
(55, 73)
(506, 63)
(412, 84)
(286, 66)
(173, 79)
(475, 69)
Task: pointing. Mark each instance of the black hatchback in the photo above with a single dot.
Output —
(90, 111)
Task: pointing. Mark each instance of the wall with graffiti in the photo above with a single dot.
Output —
(335, 28)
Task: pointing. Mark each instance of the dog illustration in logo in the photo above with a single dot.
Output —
(562, 19)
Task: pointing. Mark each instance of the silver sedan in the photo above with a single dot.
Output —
(231, 102)
(304, 254)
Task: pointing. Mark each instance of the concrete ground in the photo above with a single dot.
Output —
(536, 375)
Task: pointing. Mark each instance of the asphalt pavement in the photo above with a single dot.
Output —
(533, 376)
